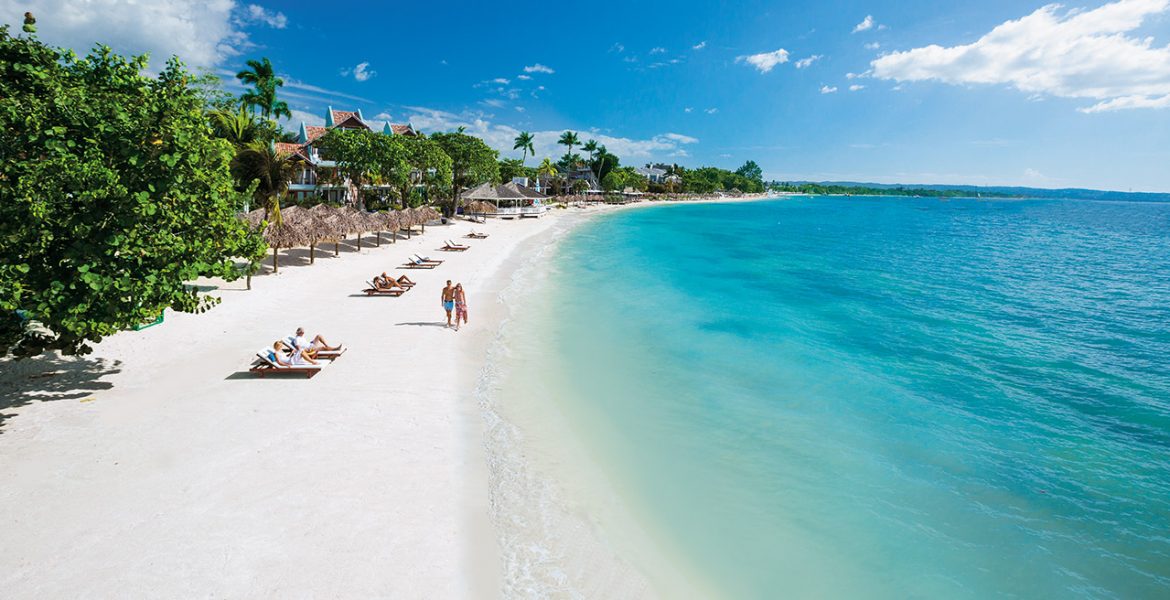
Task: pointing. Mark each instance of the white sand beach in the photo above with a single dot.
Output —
(159, 466)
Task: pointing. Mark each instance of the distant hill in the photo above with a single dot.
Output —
(989, 191)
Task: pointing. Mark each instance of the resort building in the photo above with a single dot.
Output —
(653, 174)
(315, 176)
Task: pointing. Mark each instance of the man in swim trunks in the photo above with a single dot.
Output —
(449, 300)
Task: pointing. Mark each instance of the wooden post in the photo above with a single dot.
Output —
(311, 253)
(336, 246)
(275, 264)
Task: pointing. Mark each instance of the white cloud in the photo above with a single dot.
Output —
(873, 46)
(361, 72)
(828, 90)
(699, 46)
(520, 109)
(502, 137)
(523, 77)
(254, 13)
(765, 61)
(501, 81)
(494, 103)
(806, 62)
(865, 25)
(680, 138)
(855, 87)
(290, 83)
(1078, 54)
(688, 109)
(658, 50)
(308, 118)
(711, 111)
(538, 68)
(202, 33)
(617, 47)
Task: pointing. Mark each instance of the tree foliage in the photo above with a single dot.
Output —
(472, 161)
(261, 75)
(366, 157)
(113, 195)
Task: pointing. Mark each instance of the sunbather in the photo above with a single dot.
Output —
(311, 347)
(404, 280)
(385, 282)
(295, 359)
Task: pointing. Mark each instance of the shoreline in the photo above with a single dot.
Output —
(159, 453)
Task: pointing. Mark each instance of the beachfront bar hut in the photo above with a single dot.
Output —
(479, 208)
(510, 199)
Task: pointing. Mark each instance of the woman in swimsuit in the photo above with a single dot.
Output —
(460, 305)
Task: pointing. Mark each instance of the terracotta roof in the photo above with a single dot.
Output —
(285, 148)
(402, 129)
(339, 116)
(314, 132)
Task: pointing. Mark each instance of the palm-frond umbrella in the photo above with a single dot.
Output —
(481, 207)
(313, 226)
(284, 235)
(407, 221)
(391, 222)
(335, 223)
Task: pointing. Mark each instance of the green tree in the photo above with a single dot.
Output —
(511, 168)
(113, 195)
(237, 126)
(262, 77)
(258, 164)
(569, 139)
(548, 174)
(366, 157)
(524, 143)
(429, 165)
(472, 161)
(750, 170)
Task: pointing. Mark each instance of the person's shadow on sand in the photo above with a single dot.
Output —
(422, 324)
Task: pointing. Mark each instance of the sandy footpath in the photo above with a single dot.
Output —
(158, 467)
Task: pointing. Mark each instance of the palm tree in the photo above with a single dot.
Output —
(236, 126)
(262, 77)
(258, 161)
(524, 142)
(547, 170)
(569, 139)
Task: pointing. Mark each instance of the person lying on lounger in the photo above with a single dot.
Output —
(297, 358)
(385, 282)
(404, 280)
(311, 347)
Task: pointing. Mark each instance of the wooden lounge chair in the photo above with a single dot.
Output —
(476, 236)
(428, 259)
(374, 290)
(414, 263)
(264, 365)
(450, 247)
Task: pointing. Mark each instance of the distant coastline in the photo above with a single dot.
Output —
(849, 188)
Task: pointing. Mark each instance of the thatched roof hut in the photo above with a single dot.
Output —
(480, 207)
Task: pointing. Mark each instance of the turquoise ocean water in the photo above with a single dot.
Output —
(859, 397)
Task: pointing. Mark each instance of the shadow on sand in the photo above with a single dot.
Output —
(422, 324)
(50, 377)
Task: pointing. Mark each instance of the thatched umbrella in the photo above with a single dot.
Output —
(336, 223)
(480, 207)
(312, 225)
(375, 223)
(407, 221)
(284, 235)
(391, 222)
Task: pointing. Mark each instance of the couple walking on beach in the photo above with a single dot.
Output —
(454, 299)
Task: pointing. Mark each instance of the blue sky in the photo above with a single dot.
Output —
(991, 92)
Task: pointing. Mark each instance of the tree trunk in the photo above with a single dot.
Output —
(249, 278)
